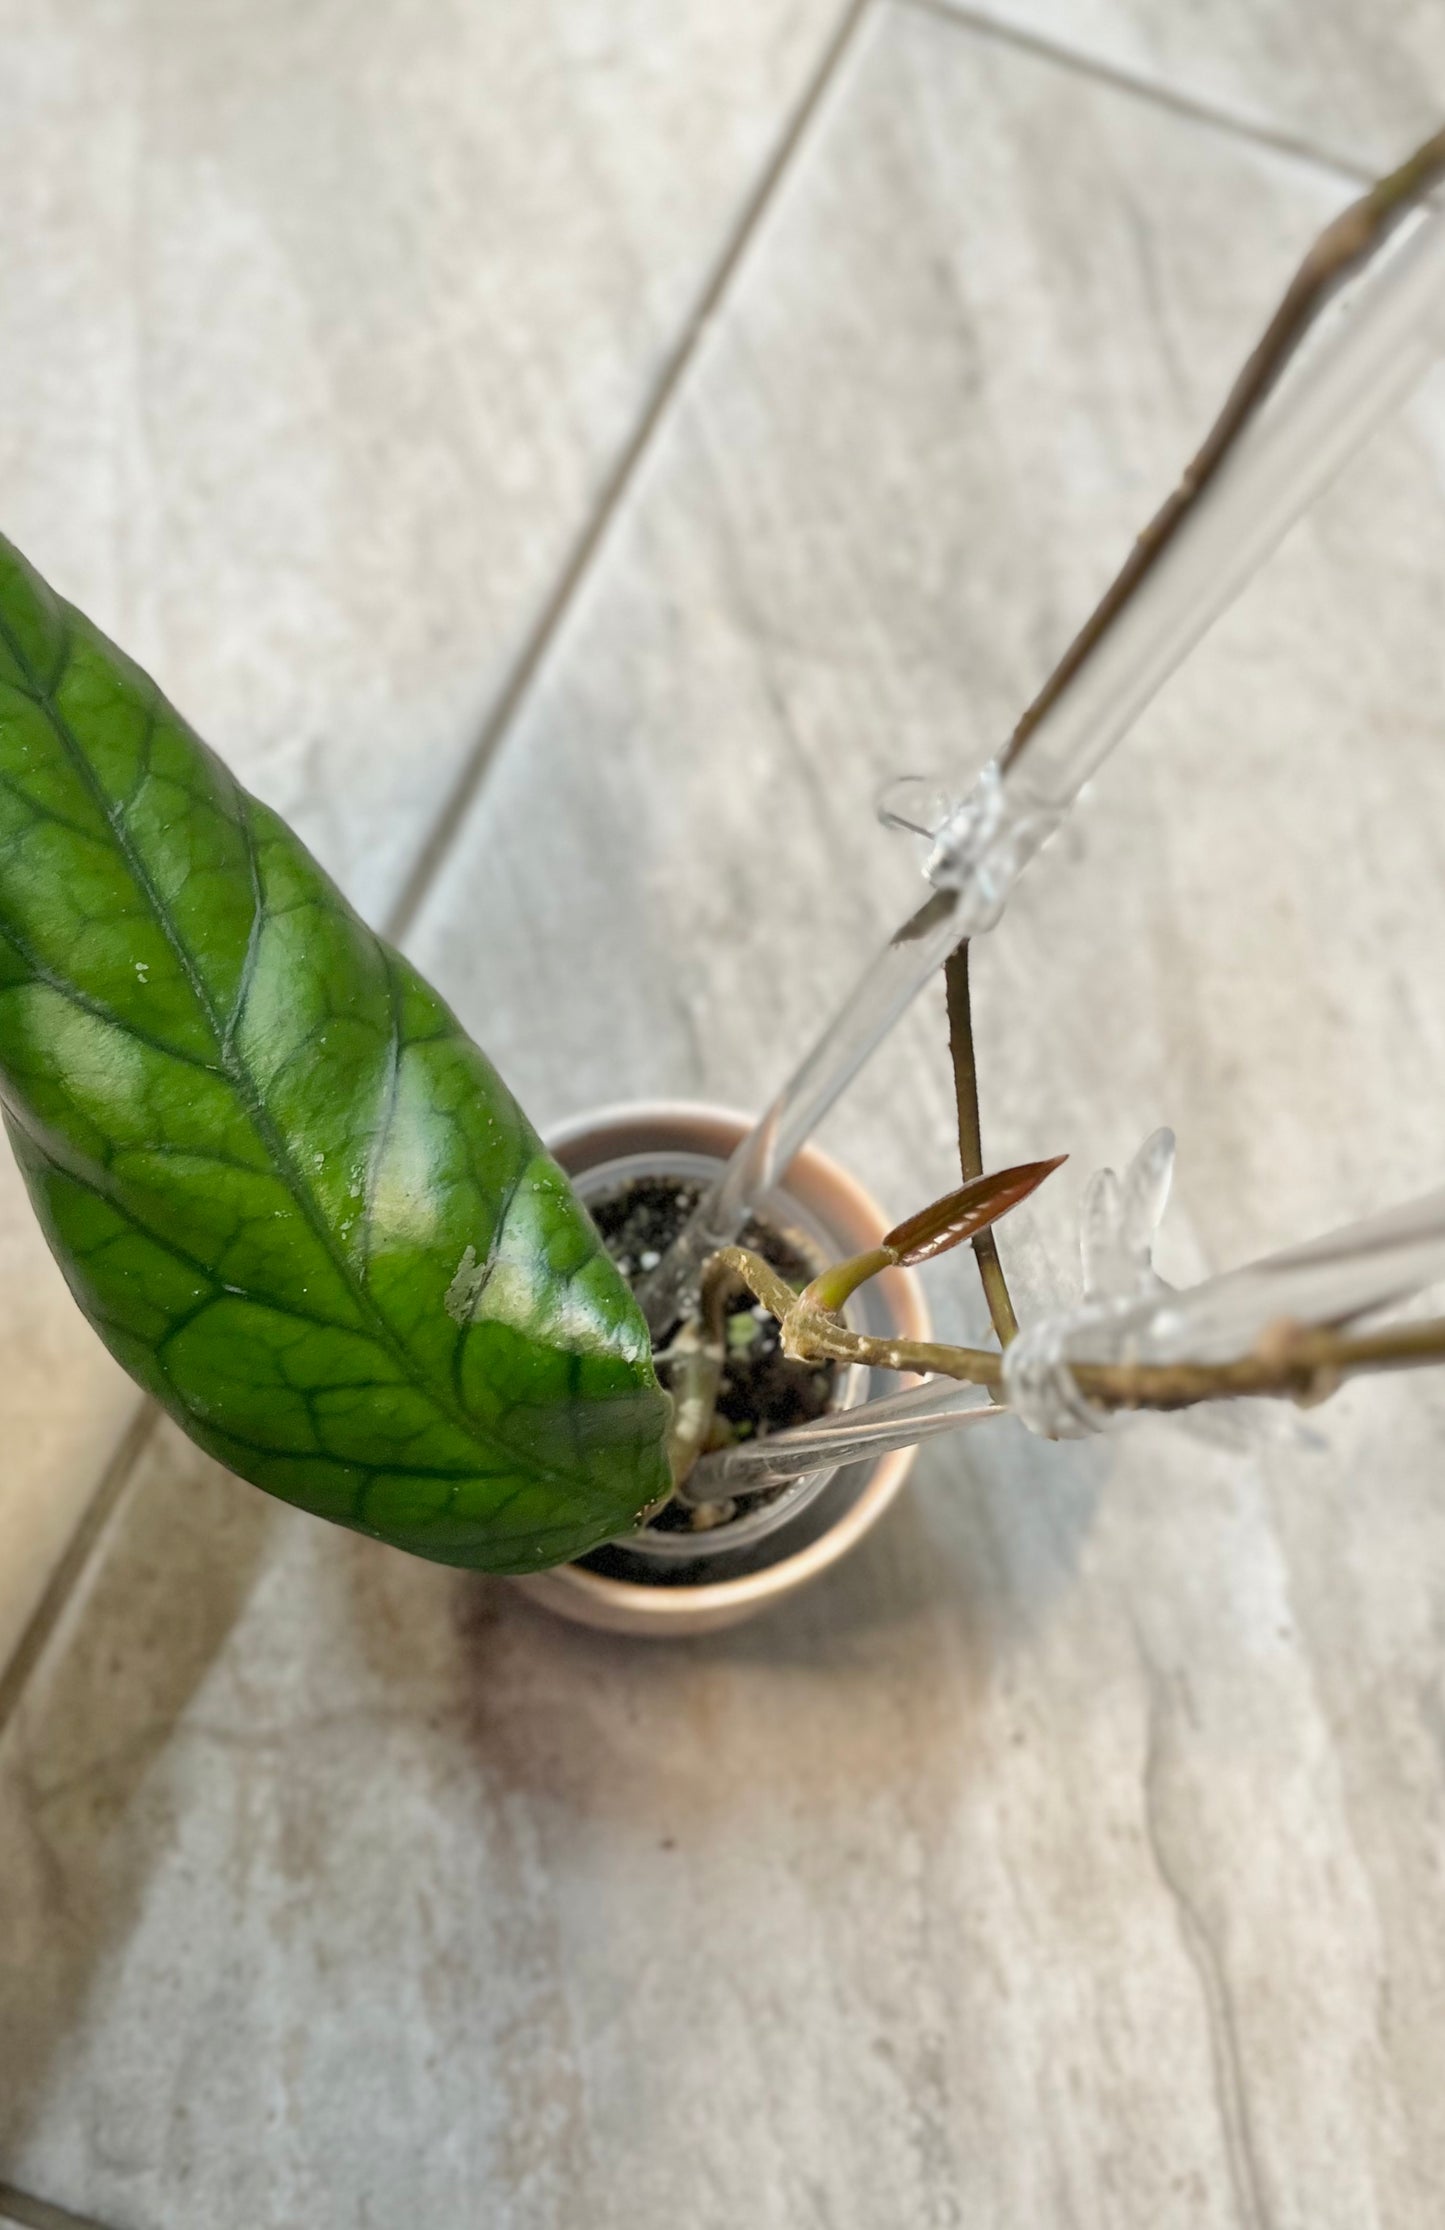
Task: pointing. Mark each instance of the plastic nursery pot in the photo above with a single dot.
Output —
(664, 1584)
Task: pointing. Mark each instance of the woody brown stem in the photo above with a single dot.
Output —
(811, 1334)
(1294, 1362)
(1290, 1362)
(970, 1135)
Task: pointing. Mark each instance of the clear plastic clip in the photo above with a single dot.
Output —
(1122, 1294)
(977, 845)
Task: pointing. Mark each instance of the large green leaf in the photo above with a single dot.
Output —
(292, 1196)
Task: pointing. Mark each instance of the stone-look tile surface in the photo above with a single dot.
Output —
(320, 330)
(64, 1406)
(1364, 82)
(20, 2210)
(1073, 1854)
(1010, 1876)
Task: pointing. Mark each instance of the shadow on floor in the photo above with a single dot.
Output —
(78, 1831)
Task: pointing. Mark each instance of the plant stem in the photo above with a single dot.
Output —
(811, 1335)
(698, 1376)
(1291, 1361)
(833, 1287)
(970, 1136)
(1295, 1363)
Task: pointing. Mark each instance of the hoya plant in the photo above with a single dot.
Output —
(303, 1210)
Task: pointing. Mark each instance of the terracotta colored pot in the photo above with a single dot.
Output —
(675, 1584)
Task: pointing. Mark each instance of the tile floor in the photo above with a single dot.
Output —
(1073, 1854)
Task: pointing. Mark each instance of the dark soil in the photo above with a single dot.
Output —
(761, 1391)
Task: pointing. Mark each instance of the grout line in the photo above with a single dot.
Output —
(38, 2214)
(1195, 111)
(63, 1580)
(529, 659)
(439, 841)
(442, 836)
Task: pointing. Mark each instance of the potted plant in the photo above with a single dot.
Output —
(645, 1371)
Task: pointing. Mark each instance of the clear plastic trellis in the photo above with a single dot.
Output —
(976, 842)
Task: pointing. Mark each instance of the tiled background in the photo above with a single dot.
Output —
(566, 453)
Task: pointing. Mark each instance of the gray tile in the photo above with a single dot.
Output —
(64, 1406)
(321, 332)
(20, 2210)
(942, 403)
(1362, 79)
(1071, 1854)
(353, 1890)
